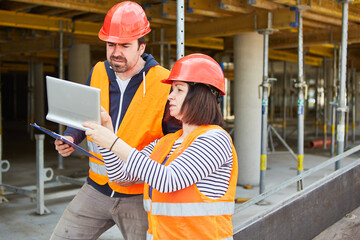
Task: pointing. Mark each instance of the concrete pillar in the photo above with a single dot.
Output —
(79, 63)
(39, 94)
(248, 68)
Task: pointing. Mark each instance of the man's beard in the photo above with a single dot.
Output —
(116, 67)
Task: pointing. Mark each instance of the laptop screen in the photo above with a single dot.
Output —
(71, 103)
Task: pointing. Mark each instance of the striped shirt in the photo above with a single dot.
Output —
(207, 162)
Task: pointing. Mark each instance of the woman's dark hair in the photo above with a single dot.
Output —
(200, 106)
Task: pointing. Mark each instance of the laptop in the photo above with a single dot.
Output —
(71, 103)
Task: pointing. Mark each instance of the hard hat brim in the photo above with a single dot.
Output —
(120, 40)
(169, 81)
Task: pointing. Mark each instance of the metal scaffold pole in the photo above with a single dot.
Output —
(334, 103)
(180, 29)
(284, 102)
(353, 102)
(61, 76)
(162, 35)
(342, 108)
(265, 94)
(31, 96)
(317, 104)
(348, 103)
(325, 103)
(301, 85)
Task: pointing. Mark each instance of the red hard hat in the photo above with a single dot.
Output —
(198, 68)
(124, 22)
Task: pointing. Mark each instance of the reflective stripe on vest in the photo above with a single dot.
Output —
(93, 147)
(193, 209)
(97, 168)
(147, 204)
(150, 237)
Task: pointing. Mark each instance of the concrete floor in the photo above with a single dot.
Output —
(18, 218)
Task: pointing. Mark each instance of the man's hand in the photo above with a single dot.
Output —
(64, 149)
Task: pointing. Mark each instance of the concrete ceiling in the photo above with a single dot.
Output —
(31, 27)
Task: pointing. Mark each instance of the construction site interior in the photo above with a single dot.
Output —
(292, 72)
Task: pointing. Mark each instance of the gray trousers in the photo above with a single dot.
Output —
(91, 213)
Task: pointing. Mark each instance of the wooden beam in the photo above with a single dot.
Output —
(13, 67)
(321, 51)
(241, 6)
(206, 43)
(321, 18)
(98, 6)
(208, 8)
(314, 25)
(31, 45)
(325, 7)
(44, 57)
(47, 23)
(282, 19)
(314, 38)
(293, 57)
(235, 6)
(168, 11)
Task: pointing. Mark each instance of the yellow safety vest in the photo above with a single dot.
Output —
(141, 125)
(187, 213)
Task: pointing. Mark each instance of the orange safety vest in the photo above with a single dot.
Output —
(141, 125)
(187, 213)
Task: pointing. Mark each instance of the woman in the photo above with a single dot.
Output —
(190, 175)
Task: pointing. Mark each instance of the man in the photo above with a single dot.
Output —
(135, 98)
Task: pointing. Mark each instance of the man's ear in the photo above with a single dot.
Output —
(142, 48)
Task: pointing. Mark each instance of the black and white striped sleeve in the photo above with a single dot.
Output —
(206, 155)
(115, 166)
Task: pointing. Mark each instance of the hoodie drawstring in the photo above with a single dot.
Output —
(144, 86)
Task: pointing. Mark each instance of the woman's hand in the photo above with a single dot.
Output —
(101, 135)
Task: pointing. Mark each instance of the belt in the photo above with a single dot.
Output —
(106, 190)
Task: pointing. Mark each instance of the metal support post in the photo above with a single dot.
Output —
(302, 95)
(265, 92)
(271, 99)
(342, 108)
(317, 82)
(4, 167)
(226, 97)
(325, 103)
(180, 29)
(348, 104)
(334, 102)
(162, 34)
(61, 76)
(284, 102)
(41, 175)
(353, 103)
(31, 96)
